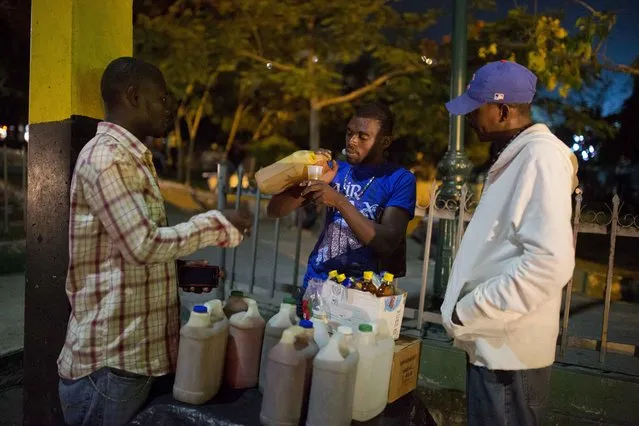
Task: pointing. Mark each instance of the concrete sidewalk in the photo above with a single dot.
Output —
(11, 313)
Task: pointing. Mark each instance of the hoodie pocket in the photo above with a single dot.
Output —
(483, 327)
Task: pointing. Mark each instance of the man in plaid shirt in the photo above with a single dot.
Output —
(121, 282)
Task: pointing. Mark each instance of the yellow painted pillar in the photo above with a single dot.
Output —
(72, 41)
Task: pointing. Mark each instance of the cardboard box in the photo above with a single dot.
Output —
(405, 371)
(347, 306)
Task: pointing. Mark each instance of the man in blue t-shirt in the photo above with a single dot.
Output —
(369, 202)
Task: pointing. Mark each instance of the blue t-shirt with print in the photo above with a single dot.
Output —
(371, 189)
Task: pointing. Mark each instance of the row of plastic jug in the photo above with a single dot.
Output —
(347, 379)
(213, 347)
(350, 377)
(218, 343)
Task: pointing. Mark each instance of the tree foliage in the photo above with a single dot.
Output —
(264, 70)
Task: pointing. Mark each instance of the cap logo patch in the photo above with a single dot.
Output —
(498, 97)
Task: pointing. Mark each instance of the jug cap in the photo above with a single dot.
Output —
(290, 300)
(306, 324)
(366, 328)
(200, 309)
(388, 276)
(341, 278)
(368, 275)
(237, 293)
(345, 330)
(199, 317)
(332, 274)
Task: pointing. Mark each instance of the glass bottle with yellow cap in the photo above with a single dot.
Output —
(367, 283)
(386, 288)
(341, 279)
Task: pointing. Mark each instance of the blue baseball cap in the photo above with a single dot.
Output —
(502, 82)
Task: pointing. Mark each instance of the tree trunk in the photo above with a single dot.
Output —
(194, 124)
(189, 163)
(237, 118)
(314, 128)
(180, 148)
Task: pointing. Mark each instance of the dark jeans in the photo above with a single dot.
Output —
(505, 398)
(106, 397)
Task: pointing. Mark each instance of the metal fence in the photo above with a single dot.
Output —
(12, 184)
(611, 223)
(230, 282)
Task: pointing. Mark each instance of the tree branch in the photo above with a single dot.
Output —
(363, 90)
(241, 109)
(258, 58)
(261, 125)
(256, 34)
(627, 69)
(586, 5)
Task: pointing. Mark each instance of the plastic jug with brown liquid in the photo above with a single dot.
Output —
(285, 381)
(200, 357)
(333, 383)
(309, 349)
(244, 347)
(272, 335)
(236, 303)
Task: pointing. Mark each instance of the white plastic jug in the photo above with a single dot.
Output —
(288, 171)
(200, 357)
(291, 301)
(272, 335)
(333, 384)
(373, 373)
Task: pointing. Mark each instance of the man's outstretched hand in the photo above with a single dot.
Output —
(241, 219)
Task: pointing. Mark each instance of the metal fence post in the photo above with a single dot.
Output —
(222, 174)
(568, 296)
(275, 256)
(5, 172)
(611, 265)
(255, 232)
(238, 197)
(298, 246)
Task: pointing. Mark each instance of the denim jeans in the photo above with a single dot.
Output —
(501, 398)
(106, 397)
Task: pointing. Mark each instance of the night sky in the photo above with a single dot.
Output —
(622, 46)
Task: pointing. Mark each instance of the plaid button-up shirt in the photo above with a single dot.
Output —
(121, 281)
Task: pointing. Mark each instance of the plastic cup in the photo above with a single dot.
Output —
(315, 172)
